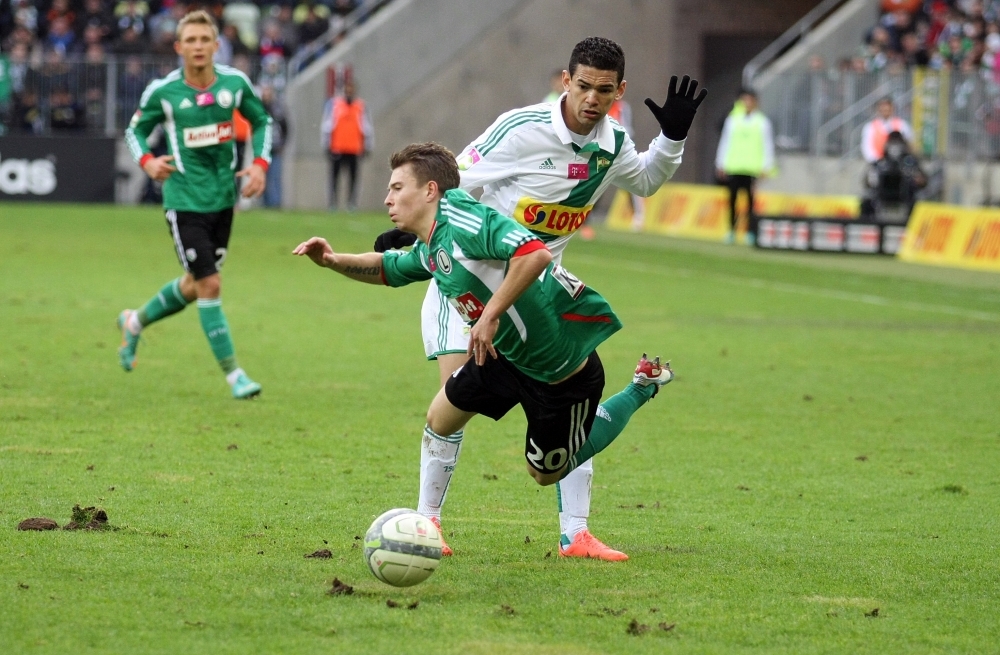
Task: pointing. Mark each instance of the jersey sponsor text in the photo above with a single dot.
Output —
(550, 218)
(208, 135)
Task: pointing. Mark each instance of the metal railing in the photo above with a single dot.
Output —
(314, 49)
(955, 116)
(788, 39)
(68, 95)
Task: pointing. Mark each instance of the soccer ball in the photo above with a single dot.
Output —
(402, 548)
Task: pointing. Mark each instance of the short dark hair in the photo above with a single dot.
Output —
(600, 53)
(748, 92)
(431, 162)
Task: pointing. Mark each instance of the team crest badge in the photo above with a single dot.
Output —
(225, 98)
(603, 162)
(443, 262)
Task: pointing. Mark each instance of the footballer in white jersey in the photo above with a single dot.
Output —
(546, 165)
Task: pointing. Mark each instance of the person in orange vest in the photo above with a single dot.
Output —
(877, 131)
(348, 135)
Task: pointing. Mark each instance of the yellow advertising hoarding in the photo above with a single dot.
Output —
(946, 235)
(702, 211)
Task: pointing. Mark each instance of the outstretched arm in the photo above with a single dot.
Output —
(363, 268)
(522, 271)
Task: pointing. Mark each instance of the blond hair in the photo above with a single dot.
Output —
(197, 17)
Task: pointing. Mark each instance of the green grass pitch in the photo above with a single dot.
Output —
(831, 446)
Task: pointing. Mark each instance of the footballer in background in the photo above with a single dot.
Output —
(546, 165)
(195, 104)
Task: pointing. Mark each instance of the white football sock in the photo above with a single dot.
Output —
(133, 324)
(438, 457)
(574, 501)
(232, 377)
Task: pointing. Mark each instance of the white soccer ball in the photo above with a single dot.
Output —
(402, 548)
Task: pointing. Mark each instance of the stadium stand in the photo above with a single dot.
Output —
(91, 59)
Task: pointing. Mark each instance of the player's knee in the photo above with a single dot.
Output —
(544, 479)
(209, 287)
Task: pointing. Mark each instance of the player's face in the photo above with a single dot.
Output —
(408, 200)
(196, 45)
(591, 94)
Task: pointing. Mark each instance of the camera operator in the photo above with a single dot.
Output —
(893, 182)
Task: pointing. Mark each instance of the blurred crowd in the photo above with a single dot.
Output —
(961, 35)
(56, 55)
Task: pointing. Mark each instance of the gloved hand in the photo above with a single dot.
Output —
(678, 111)
(394, 239)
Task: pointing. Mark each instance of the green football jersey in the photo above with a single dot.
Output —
(201, 135)
(549, 331)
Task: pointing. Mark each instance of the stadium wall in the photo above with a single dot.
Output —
(443, 70)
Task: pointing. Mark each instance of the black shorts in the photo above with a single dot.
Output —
(200, 239)
(559, 415)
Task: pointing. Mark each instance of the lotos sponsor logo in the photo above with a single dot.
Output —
(208, 135)
(554, 219)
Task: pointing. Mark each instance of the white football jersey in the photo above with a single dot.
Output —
(530, 168)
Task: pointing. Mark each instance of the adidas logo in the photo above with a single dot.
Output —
(547, 165)
(185, 103)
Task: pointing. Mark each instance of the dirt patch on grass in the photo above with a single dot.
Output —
(321, 554)
(83, 518)
(635, 628)
(38, 524)
(88, 518)
(340, 589)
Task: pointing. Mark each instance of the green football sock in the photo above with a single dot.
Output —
(213, 322)
(168, 301)
(612, 417)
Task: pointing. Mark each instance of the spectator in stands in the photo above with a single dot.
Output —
(876, 131)
(230, 45)
(65, 113)
(289, 30)
(131, 83)
(58, 11)
(313, 25)
(18, 67)
(746, 153)
(60, 35)
(876, 53)
(130, 42)
(96, 15)
(131, 15)
(272, 40)
(348, 134)
(95, 81)
(272, 74)
(279, 134)
(914, 53)
(27, 113)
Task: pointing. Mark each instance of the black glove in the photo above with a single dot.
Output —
(678, 111)
(394, 239)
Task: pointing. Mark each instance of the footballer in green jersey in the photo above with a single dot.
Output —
(195, 104)
(534, 325)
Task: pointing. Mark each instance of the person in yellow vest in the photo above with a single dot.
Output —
(877, 131)
(746, 153)
(348, 135)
